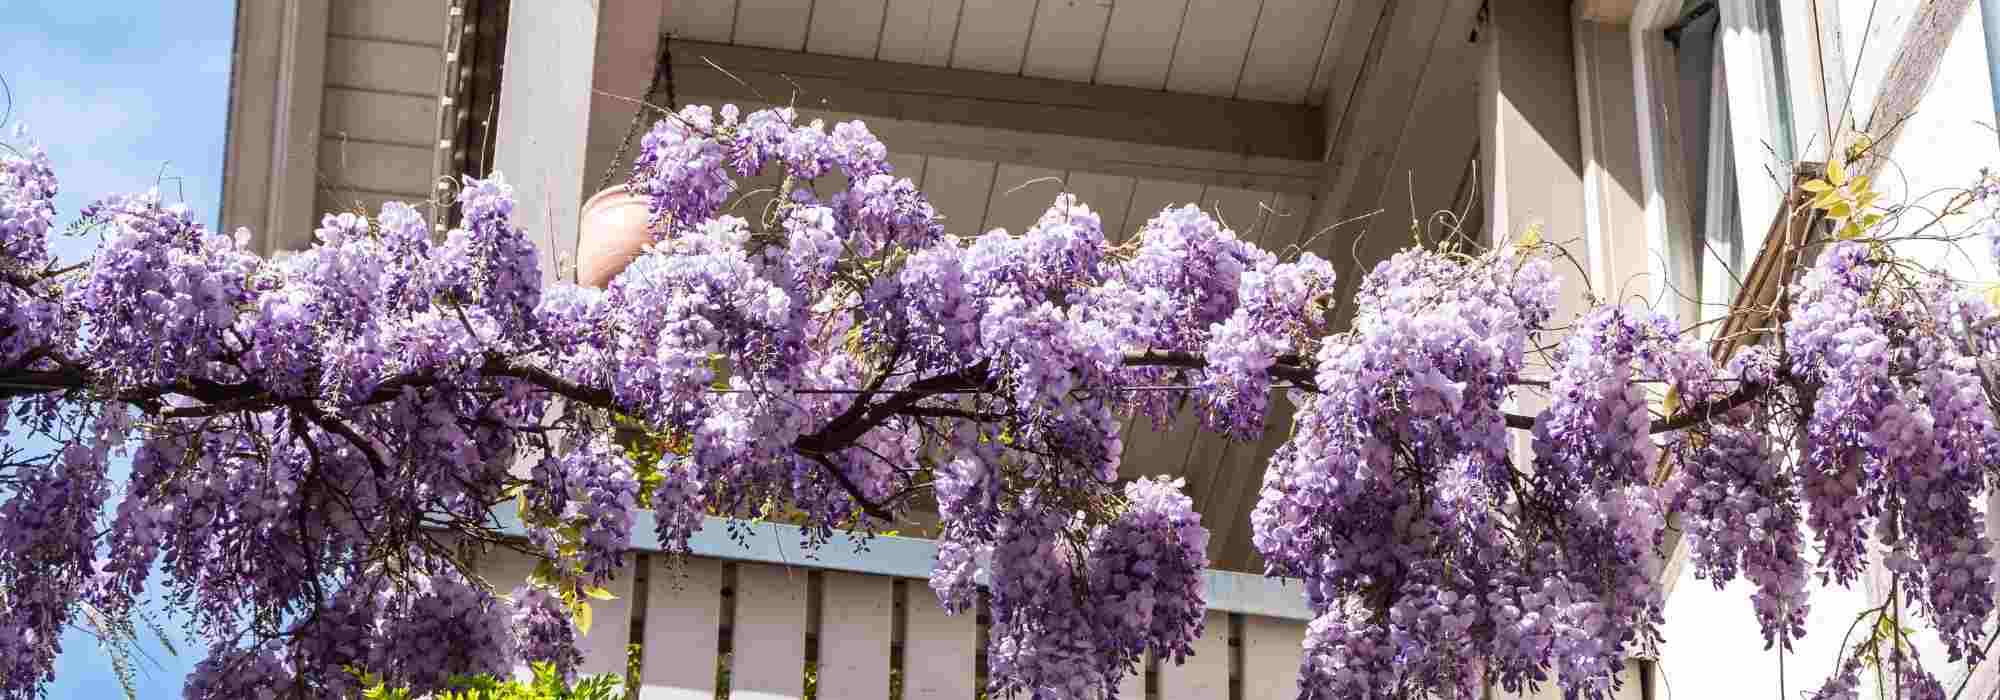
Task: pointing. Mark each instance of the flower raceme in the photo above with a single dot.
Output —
(318, 442)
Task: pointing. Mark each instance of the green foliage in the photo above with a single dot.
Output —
(545, 684)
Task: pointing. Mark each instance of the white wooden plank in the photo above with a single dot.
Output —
(383, 65)
(1133, 685)
(1271, 655)
(611, 629)
(1108, 195)
(856, 618)
(379, 116)
(1020, 195)
(1205, 675)
(413, 21)
(919, 31)
(1238, 209)
(702, 20)
(683, 612)
(604, 647)
(1214, 39)
(846, 27)
(348, 163)
(1151, 196)
(772, 24)
(1064, 42)
(1139, 42)
(908, 165)
(992, 35)
(938, 649)
(768, 657)
(544, 109)
(960, 190)
(1284, 51)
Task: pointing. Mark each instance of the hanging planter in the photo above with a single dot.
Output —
(613, 233)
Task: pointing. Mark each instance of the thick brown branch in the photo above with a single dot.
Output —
(1686, 418)
(346, 432)
(853, 491)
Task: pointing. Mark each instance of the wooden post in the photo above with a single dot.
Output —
(552, 120)
(268, 183)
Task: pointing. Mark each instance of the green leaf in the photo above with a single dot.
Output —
(544, 575)
(599, 593)
(1816, 186)
(583, 618)
(1531, 238)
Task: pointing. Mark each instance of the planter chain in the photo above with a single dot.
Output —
(663, 80)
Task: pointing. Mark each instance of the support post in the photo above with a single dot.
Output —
(553, 107)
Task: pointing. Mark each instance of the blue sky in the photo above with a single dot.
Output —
(122, 94)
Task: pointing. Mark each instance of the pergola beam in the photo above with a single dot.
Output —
(919, 93)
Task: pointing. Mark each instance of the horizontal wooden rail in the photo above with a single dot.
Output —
(910, 557)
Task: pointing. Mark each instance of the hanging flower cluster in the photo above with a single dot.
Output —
(318, 441)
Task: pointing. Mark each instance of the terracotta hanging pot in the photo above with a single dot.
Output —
(613, 233)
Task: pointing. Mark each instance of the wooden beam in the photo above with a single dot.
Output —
(1076, 154)
(558, 57)
(1908, 77)
(1792, 232)
(273, 126)
(918, 93)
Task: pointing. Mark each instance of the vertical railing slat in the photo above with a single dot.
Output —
(683, 612)
(1271, 654)
(1205, 676)
(856, 621)
(769, 657)
(938, 649)
(1133, 685)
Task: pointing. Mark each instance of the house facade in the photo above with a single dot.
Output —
(1654, 138)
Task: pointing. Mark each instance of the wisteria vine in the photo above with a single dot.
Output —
(319, 442)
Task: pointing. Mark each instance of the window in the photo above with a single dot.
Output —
(1734, 132)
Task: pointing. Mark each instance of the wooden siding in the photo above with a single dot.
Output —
(385, 64)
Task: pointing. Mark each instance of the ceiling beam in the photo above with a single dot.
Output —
(918, 93)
